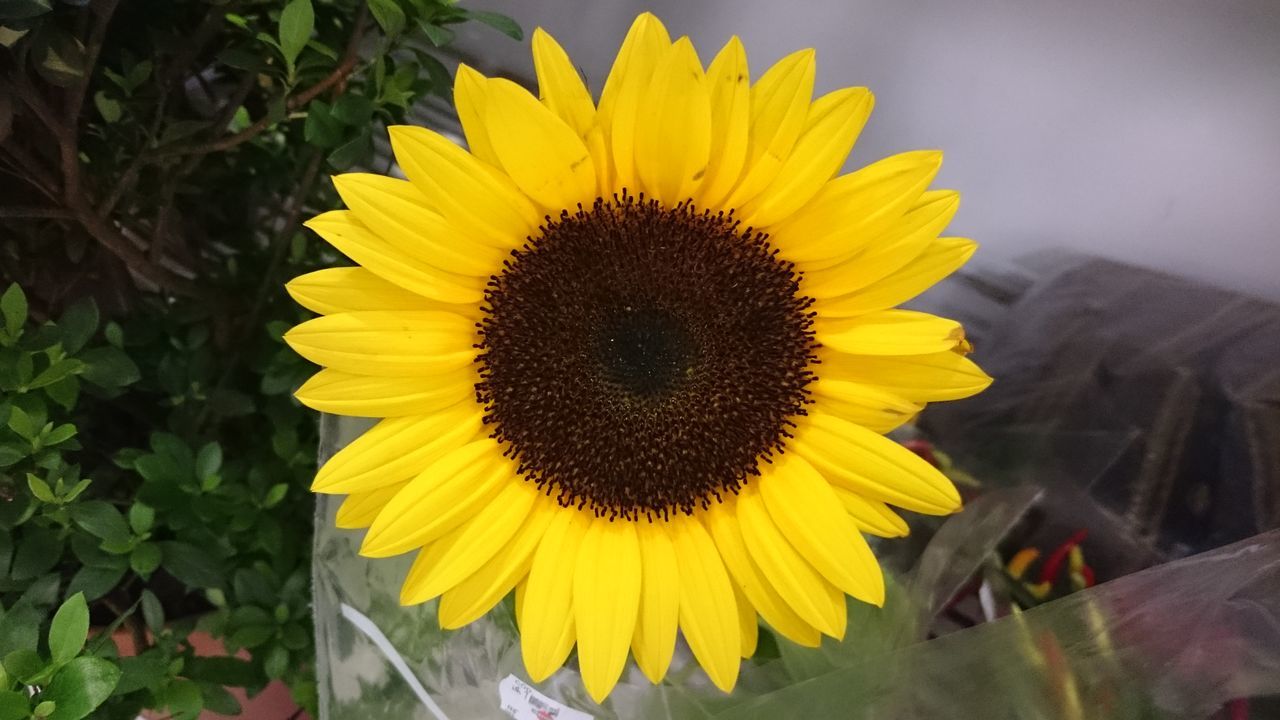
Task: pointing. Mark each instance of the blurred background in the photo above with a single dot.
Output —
(1140, 131)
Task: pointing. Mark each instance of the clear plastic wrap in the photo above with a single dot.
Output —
(1174, 641)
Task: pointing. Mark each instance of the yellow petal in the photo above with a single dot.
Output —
(439, 499)
(918, 378)
(833, 124)
(343, 393)
(708, 617)
(779, 107)
(721, 520)
(470, 97)
(542, 155)
(871, 516)
(620, 108)
(659, 614)
(398, 343)
(606, 597)
(410, 224)
(730, 83)
(480, 591)
(889, 332)
(905, 239)
(350, 289)
(941, 258)
(482, 203)
(560, 86)
(562, 90)
(747, 625)
(873, 465)
(545, 606)
(851, 211)
(463, 551)
(397, 449)
(521, 588)
(673, 139)
(360, 508)
(392, 262)
(809, 514)
(867, 405)
(802, 587)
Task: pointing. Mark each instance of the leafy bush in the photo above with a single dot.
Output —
(156, 160)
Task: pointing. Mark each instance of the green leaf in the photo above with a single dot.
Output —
(295, 637)
(219, 700)
(137, 75)
(19, 629)
(109, 109)
(223, 670)
(276, 662)
(141, 517)
(76, 489)
(109, 367)
(65, 392)
(41, 489)
(321, 129)
(497, 21)
(39, 550)
(23, 9)
(193, 566)
(22, 423)
(209, 460)
(14, 705)
(158, 468)
(275, 495)
(61, 58)
(182, 698)
(441, 80)
(56, 373)
(353, 109)
(439, 36)
(80, 687)
(152, 611)
(25, 665)
(13, 305)
(389, 16)
(8, 37)
(10, 455)
(77, 325)
(145, 558)
(354, 151)
(69, 629)
(148, 670)
(252, 636)
(114, 334)
(102, 520)
(297, 20)
(60, 434)
(95, 582)
(251, 585)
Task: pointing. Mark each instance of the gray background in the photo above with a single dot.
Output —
(1143, 131)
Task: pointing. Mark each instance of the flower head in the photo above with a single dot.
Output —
(634, 358)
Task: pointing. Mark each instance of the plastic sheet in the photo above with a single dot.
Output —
(1083, 345)
(1175, 641)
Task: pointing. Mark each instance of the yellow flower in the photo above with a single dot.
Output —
(634, 358)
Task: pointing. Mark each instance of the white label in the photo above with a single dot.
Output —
(522, 702)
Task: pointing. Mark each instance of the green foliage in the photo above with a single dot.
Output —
(153, 464)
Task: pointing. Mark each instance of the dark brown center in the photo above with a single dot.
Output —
(642, 360)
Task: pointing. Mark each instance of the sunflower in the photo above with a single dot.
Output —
(634, 358)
